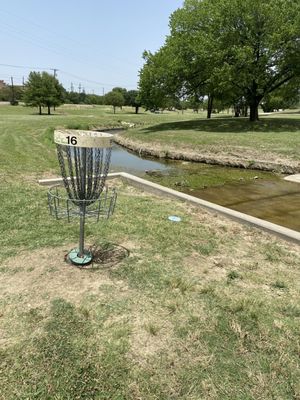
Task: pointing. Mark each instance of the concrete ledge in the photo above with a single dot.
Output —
(293, 178)
(278, 230)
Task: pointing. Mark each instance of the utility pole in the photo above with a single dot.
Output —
(54, 74)
(13, 98)
(79, 88)
(72, 87)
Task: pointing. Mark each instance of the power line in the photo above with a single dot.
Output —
(25, 67)
(54, 34)
(85, 80)
(53, 48)
(80, 78)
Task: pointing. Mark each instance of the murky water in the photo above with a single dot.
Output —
(276, 201)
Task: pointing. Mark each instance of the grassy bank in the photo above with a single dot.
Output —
(204, 308)
(274, 140)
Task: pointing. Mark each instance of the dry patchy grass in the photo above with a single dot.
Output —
(205, 308)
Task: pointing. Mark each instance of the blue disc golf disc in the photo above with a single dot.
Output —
(174, 218)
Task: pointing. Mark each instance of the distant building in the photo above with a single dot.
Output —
(2, 84)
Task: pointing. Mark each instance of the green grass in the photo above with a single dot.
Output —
(278, 134)
(68, 354)
(201, 309)
(197, 311)
(26, 145)
(26, 138)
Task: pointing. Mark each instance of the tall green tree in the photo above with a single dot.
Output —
(235, 48)
(158, 84)
(53, 92)
(34, 93)
(261, 45)
(43, 90)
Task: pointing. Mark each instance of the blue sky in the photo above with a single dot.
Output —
(97, 44)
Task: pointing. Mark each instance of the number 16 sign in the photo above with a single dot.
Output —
(78, 138)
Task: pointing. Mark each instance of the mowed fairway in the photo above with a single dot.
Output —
(26, 139)
(202, 309)
(26, 144)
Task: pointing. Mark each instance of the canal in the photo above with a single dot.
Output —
(260, 194)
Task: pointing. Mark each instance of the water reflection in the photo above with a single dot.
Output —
(123, 160)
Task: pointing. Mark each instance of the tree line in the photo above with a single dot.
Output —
(241, 53)
(43, 90)
(218, 54)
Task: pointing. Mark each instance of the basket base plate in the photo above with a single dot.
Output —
(75, 259)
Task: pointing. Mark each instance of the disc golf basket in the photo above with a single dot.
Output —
(84, 159)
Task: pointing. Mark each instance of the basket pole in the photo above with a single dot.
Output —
(82, 205)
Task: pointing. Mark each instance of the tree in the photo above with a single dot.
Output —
(93, 99)
(6, 93)
(132, 99)
(120, 90)
(53, 92)
(287, 96)
(261, 45)
(240, 49)
(73, 97)
(43, 90)
(114, 98)
(158, 85)
(34, 93)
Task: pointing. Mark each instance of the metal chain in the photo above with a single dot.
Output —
(71, 164)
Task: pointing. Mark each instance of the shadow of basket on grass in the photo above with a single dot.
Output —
(105, 255)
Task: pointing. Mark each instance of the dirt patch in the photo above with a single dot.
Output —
(40, 275)
(240, 157)
(149, 337)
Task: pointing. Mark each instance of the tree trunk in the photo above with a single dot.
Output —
(40, 110)
(114, 107)
(254, 112)
(209, 106)
(49, 111)
(253, 102)
(136, 109)
(237, 111)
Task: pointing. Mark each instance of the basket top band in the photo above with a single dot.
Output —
(79, 138)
